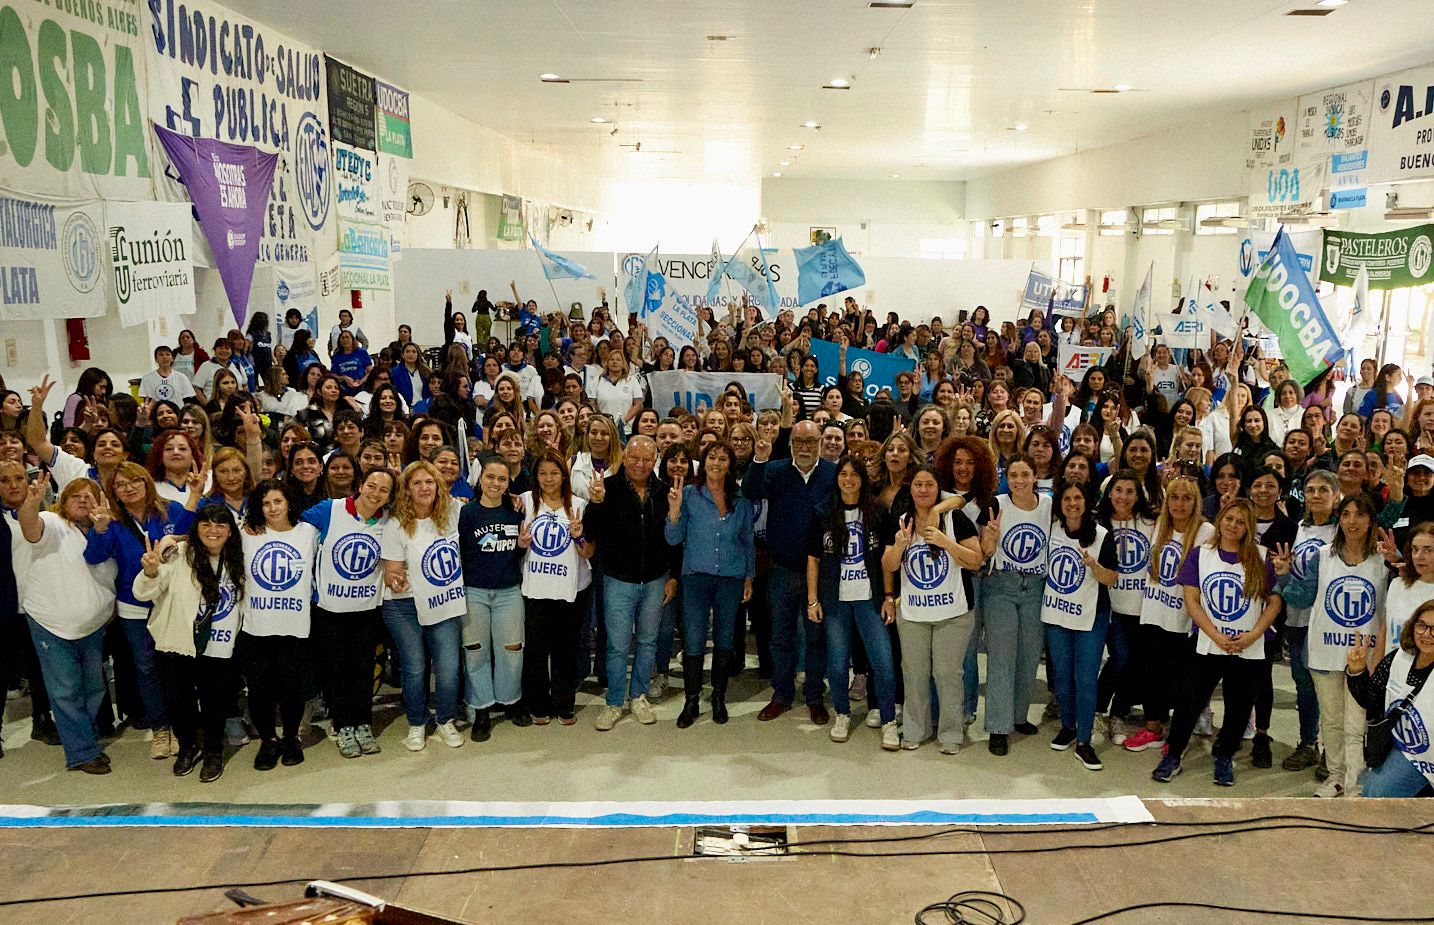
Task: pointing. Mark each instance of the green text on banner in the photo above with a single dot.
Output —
(149, 248)
(1281, 296)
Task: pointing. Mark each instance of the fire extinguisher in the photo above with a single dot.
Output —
(79, 343)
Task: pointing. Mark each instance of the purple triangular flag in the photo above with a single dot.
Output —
(229, 186)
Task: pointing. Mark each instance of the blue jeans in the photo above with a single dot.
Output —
(1073, 664)
(632, 614)
(1306, 703)
(970, 670)
(419, 645)
(839, 618)
(75, 679)
(141, 651)
(787, 592)
(1395, 778)
(1014, 635)
(703, 594)
(493, 642)
(1115, 691)
(671, 611)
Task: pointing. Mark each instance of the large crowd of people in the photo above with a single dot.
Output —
(262, 530)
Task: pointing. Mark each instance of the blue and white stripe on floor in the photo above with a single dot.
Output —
(452, 814)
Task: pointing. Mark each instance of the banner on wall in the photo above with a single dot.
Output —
(878, 370)
(1289, 189)
(393, 200)
(50, 259)
(1045, 292)
(74, 123)
(1255, 246)
(213, 73)
(394, 131)
(229, 186)
(351, 105)
(1270, 137)
(365, 244)
(330, 281)
(1394, 259)
(1073, 359)
(150, 249)
(1282, 298)
(1334, 125)
(510, 220)
(1401, 143)
(295, 287)
(695, 391)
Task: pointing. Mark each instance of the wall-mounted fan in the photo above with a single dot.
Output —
(420, 198)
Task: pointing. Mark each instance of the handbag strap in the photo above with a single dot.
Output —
(1403, 702)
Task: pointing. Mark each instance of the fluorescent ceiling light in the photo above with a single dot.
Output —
(810, 124)
(891, 4)
(1121, 88)
(551, 78)
(1331, 2)
(597, 120)
(795, 147)
(776, 173)
(838, 83)
(784, 163)
(1020, 127)
(896, 176)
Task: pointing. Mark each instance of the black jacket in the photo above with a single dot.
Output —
(829, 546)
(628, 530)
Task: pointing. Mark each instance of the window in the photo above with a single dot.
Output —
(998, 229)
(943, 248)
(1046, 226)
(1070, 259)
(1019, 227)
(1112, 222)
(1227, 209)
(1147, 216)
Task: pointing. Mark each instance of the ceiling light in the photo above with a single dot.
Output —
(810, 124)
(550, 78)
(776, 173)
(1019, 127)
(597, 120)
(896, 176)
(891, 4)
(795, 147)
(1331, 2)
(838, 83)
(784, 163)
(1121, 88)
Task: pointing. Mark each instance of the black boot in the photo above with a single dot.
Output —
(43, 730)
(692, 687)
(724, 662)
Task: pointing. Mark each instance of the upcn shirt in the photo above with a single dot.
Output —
(488, 540)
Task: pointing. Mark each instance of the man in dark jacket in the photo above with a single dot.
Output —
(625, 519)
(794, 489)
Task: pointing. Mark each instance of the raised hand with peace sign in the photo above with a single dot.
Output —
(102, 516)
(152, 557)
(1280, 558)
(674, 500)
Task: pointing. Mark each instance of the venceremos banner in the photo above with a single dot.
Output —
(215, 74)
(72, 77)
(50, 259)
(1394, 259)
(1281, 296)
(150, 251)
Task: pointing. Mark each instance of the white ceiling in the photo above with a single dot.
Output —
(938, 103)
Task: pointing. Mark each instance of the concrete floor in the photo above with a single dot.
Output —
(1274, 870)
(785, 759)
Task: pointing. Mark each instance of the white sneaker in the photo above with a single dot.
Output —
(658, 688)
(950, 748)
(450, 735)
(873, 719)
(890, 736)
(1330, 789)
(642, 711)
(607, 718)
(415, 739)
(235, 732)
(841, 727)
(1118, 731)
(1205, 725)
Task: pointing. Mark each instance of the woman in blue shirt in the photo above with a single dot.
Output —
(351, 364)
(714, 523)
(131, 514)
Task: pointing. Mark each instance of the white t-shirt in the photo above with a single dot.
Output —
(223, 625)
(279, 585)
(854, 580)
(1166, 381)
(1400, 602)
(62, 593)
(289, 405)
(175, 387)
(1072, 593)
(613, 398)
(1024, 537)
(435, 567)
(204, 376)
(552, 568)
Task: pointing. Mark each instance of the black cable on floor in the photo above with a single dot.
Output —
(1235, 827)
(1268, 913)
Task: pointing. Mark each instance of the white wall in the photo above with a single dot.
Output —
(884, 218)
(679, 216)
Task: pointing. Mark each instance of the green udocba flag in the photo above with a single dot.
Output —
(1284, 300)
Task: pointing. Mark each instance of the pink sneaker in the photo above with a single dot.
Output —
(1142, 740)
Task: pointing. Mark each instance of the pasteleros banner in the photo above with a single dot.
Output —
(1394, 259)
(150, 250)
(213, 73)
(73, 110)
(51, 257)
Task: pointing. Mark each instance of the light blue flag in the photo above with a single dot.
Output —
(556, 266)
(311, 321)
(643, 277)
(748, 269)
(714, 275)
(824, 270)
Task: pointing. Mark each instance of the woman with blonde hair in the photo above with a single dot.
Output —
(233, 480)
(1007, 436)
(599, 453)
(423, 601)
(900, 457)
(68, 602)
(1230, 596)
(545, 432)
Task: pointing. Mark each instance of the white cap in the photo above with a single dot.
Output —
(1424, 380)
(1423, 459)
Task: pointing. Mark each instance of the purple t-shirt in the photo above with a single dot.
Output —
(1190, 571)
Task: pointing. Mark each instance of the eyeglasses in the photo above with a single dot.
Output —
(1425, 628)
